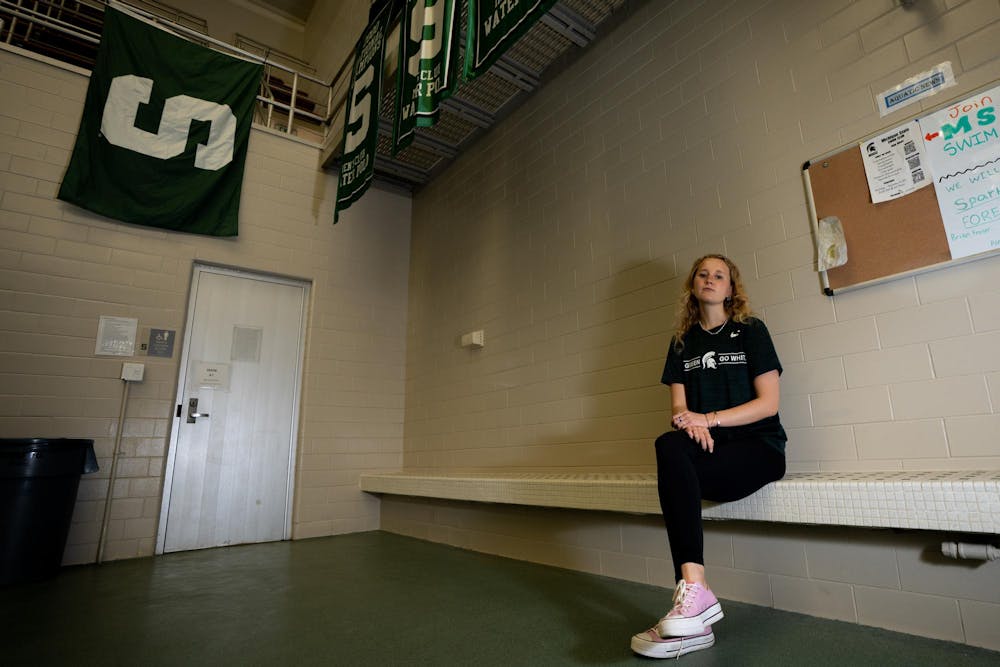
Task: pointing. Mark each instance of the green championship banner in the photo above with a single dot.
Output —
(428, 64)
(357, 165)
(163, 138)
(495, 25)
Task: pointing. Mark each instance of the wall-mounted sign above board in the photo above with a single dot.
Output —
(873, 214)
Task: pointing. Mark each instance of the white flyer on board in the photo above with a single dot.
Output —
(894, 162)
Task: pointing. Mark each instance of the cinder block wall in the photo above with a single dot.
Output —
(61, 268)
(565, 234)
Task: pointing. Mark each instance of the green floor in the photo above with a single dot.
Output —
(381, 599)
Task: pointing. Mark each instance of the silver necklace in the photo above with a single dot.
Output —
(717, 331)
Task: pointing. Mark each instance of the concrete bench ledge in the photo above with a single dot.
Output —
(966, 501)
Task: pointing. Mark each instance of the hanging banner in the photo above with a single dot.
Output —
(494, 26)
(428, 62)
(962, 143)
(164, 134)
(357, 165)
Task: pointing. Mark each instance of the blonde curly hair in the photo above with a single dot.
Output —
(688, 312)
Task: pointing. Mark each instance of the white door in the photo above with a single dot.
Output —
(230, 466)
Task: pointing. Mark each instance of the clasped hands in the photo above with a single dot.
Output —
(695, 424)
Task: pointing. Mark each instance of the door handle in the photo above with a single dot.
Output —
(193, 413)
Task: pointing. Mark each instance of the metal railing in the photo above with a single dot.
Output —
(69, 31)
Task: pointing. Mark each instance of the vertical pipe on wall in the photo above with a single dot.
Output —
(111, 477)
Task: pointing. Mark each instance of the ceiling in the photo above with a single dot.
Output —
(551, 45)
(477, 105)
(299, 9)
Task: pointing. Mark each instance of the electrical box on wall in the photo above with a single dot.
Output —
(132, 372)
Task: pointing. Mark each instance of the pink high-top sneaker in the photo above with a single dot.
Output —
(695, 608)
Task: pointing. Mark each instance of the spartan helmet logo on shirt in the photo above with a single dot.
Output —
(708, 360)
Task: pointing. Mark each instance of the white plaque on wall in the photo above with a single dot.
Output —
(116, 336)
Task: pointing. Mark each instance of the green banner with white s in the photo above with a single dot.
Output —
(357, 166)
(164, 133)
(428, 65)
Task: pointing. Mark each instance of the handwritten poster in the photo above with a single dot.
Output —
(894, 162)
(962, 143)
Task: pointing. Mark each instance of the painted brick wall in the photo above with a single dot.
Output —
(565, 234)
(61, 268)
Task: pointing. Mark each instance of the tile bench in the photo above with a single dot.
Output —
(964, 501)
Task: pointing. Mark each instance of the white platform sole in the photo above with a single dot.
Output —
(695, 625)
(652, 646)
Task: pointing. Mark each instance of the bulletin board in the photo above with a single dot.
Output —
(894, 238)
(883, 240)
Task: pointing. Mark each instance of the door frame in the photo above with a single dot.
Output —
(197, 268)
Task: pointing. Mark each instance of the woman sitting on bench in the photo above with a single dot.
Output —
(722, 371)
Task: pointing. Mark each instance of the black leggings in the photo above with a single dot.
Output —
(686, 475)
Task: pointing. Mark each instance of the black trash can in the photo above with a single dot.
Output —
(39, 478)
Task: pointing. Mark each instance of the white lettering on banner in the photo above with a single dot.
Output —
(361, 106)
(429, 48)
(128, 91)
(503, 7)
(371, 48)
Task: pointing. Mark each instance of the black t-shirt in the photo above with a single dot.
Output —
(718, 369)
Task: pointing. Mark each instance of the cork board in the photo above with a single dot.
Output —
(883, 239)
